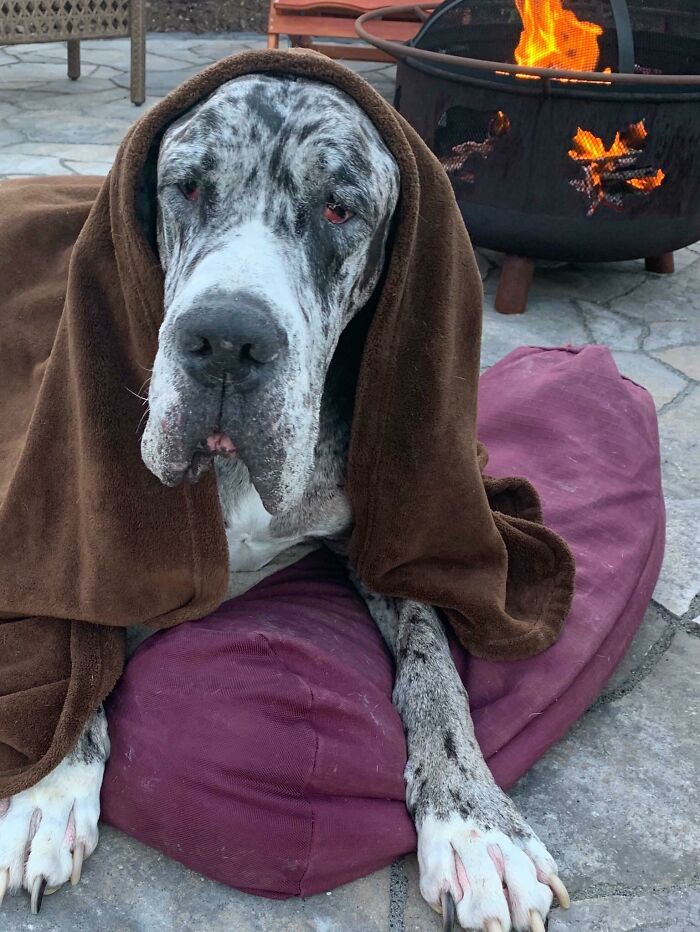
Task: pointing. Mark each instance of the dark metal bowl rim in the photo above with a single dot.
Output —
(408, 53)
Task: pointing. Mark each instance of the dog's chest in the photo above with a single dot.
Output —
(251, 543)
(256, 538)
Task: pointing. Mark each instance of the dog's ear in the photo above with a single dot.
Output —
(147, 196)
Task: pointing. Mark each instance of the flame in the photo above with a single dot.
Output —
(500, 124)
(553, 37)
(648, 184)
(610, 170)
(588, 146)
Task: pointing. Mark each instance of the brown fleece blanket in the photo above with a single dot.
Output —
(91, 542)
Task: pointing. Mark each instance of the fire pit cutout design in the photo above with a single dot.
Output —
(455, 156)
(600, 160)
(611, 172)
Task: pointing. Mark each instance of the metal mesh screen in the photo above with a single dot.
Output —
(578, 35)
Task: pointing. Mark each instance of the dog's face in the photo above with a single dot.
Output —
(275, 198)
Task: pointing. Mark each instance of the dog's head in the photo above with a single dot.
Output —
(275, 197)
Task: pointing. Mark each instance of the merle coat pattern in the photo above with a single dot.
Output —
(275, 198)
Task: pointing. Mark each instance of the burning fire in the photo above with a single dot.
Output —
(648, 183)
(609, 172)
(553, 37)
(588, 146)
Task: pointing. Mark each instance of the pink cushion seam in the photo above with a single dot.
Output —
(304, 795)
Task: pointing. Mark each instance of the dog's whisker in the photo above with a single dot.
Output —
(142, 419)
(136, 395)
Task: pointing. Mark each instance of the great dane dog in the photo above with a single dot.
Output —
(275, 197)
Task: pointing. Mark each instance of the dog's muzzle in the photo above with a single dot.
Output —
(230, 338)
(229, 357)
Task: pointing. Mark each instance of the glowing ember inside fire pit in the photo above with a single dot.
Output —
(454, 162)
(608, 173)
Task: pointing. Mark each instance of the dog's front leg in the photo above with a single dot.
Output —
(472, 842)
(47, 830)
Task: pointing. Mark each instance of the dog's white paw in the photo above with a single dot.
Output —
(498, 882)
(47, 830)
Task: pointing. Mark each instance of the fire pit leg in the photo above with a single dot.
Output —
(662, 265)
(514, 286)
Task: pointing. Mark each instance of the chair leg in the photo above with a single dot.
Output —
(273, 40)
(137, 25)
(74, 59)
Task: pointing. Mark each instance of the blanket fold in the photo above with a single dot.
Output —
(91, 542)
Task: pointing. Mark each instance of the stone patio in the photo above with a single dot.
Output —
(617, 800)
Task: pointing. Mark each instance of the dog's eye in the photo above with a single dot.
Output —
(189, 189)
(337, 213)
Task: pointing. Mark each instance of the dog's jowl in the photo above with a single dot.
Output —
(274, 200)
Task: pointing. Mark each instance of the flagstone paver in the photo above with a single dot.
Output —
(617, 798)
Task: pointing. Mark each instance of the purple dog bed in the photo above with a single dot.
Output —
(259, 745)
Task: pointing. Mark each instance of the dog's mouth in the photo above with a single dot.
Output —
(183, 439)
(217, 444)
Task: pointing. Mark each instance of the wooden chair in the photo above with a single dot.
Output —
(305, 20)
(23, 21)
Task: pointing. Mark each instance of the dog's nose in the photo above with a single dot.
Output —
(230, 334)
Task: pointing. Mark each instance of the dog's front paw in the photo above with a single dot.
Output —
(47, 830)
(499, 880)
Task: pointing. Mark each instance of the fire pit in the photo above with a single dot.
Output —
(570, 128)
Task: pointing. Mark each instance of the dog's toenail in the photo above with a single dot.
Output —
(38, 888)
(560, 891)
(448, 911)
(78, 855)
